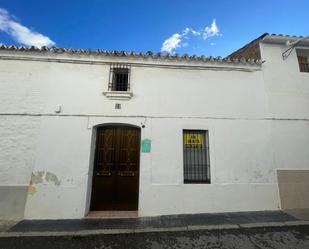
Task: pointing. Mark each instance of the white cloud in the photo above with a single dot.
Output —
(195, 33)
(211, 31)
(186, 31)
(176, 40)
(21, 33)
(171, 43)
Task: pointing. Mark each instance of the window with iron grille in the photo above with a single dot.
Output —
(303, 60)
(119, 77)
(196, 156)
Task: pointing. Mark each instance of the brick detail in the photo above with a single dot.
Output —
(251, 51)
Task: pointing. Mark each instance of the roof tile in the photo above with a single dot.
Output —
(115, 53)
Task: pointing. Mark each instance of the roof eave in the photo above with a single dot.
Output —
(148, 55)
(283, 39)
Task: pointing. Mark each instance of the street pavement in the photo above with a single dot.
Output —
(165, 222)
(287, 237)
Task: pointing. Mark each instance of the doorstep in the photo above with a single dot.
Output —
(166, 223)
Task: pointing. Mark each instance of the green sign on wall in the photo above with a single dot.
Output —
(146, 145)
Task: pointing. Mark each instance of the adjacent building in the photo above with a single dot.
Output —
(84, 130)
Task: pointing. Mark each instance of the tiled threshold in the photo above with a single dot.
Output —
(111, 214)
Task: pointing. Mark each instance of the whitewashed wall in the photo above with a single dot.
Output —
(245, 124)
(287, 92)
(286, 87)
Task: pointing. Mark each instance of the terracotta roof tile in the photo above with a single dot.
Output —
(115, 53)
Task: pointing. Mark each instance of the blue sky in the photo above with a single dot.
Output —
(184, 26)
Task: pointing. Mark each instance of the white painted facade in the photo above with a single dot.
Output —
(257, 118)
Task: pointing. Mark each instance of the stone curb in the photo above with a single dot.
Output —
(152, 230)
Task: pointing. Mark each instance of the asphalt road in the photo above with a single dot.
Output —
(260, 238)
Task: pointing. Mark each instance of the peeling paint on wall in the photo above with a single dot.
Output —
(43, 177)
(50, 177)
(31, 190)
(37, 177)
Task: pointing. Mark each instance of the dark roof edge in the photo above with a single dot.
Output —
(261, 38)
(248, 45)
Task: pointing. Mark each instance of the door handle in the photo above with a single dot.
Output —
(126, 173)
(103, 173)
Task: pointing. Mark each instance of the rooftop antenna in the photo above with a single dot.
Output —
(292, 45)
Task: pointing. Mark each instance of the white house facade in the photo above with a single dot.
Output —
(85, 131)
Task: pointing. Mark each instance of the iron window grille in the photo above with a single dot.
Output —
(196, 156)
(119, 77)
(303, 63)
(303, 59)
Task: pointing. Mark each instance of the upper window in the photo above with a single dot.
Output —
(196, 156)
(303, 60)
(119, 78)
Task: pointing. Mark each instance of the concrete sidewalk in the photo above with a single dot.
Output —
(82, 227)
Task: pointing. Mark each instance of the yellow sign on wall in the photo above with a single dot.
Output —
(194, 140)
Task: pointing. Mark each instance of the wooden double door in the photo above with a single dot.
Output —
(115, 183)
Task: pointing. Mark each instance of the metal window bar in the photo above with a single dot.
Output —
(196, 156)
(304, 67)
(303, 62)
(119, 77)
